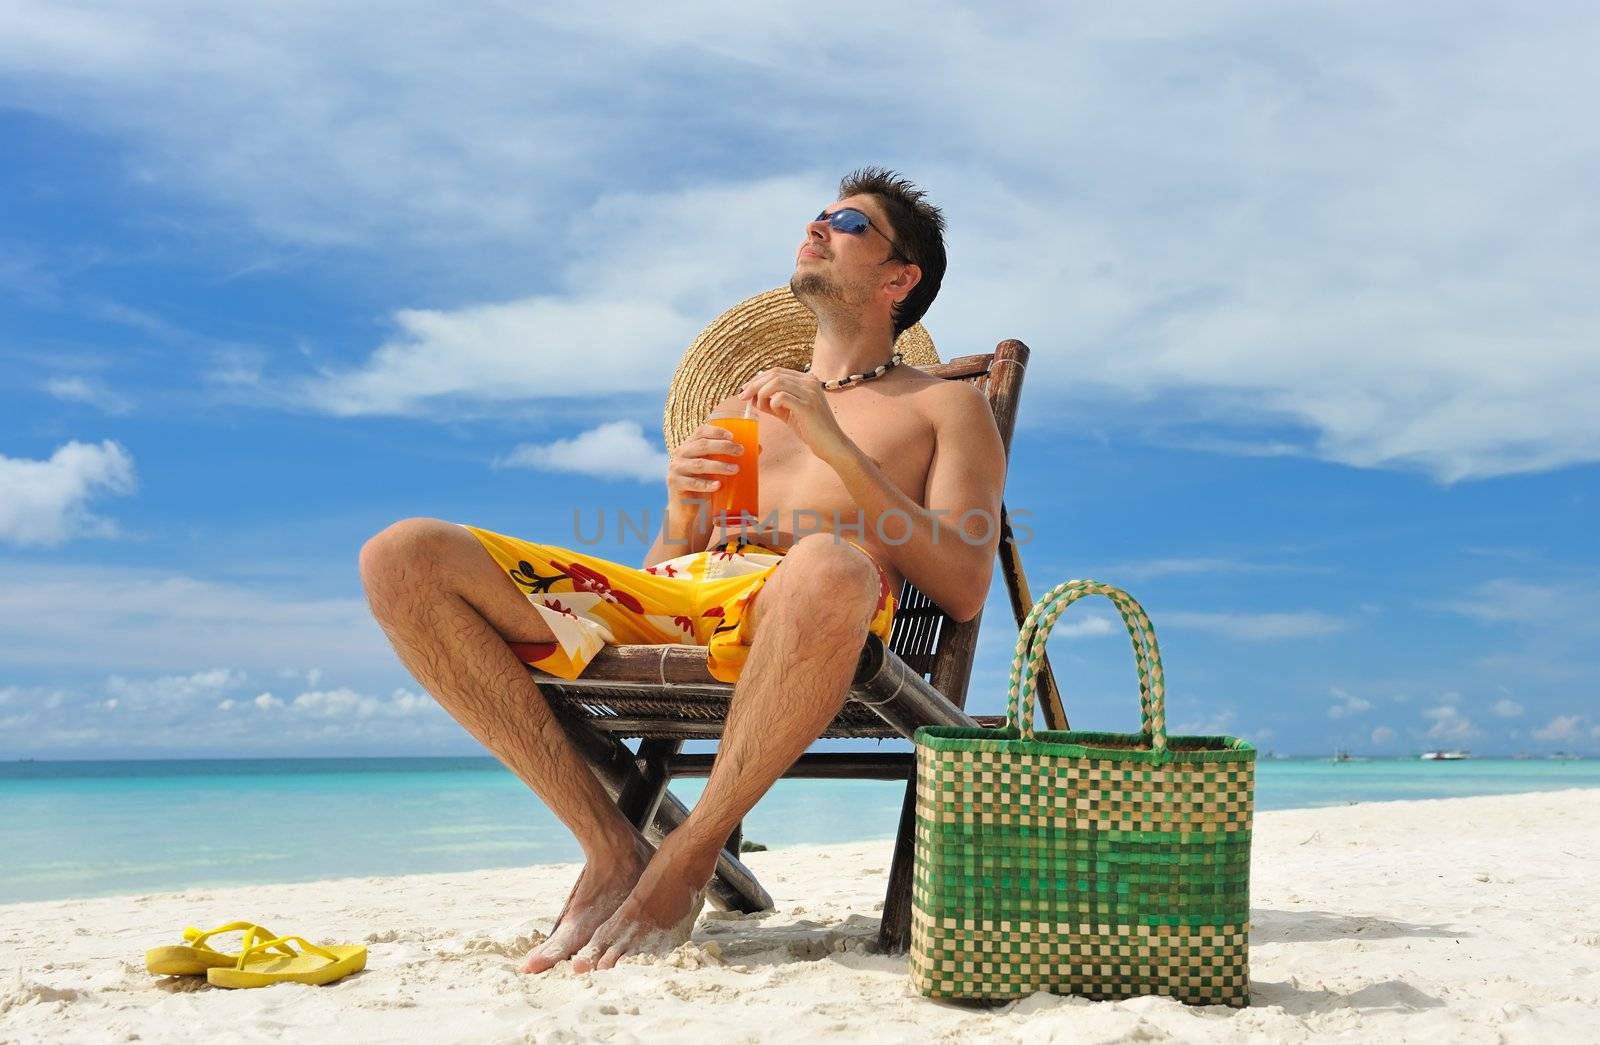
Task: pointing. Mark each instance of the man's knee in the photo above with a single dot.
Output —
(403, 548)
(824, 563)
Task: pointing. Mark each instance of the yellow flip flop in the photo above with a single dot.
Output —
(195, 957)
(314, 965)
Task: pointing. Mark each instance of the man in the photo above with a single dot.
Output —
(910, 464)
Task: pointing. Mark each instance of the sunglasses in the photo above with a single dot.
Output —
(852, 222)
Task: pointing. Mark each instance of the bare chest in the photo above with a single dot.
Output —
(894, 430)
(889, 429)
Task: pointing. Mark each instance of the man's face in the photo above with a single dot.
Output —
(841, 267)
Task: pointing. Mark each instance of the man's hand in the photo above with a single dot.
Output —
(691, 473)
(798, 401)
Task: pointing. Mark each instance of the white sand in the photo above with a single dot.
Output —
(1461, 920)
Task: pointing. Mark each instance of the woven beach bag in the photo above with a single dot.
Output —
(1101, 864)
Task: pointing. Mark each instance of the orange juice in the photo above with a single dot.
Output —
(739, 493)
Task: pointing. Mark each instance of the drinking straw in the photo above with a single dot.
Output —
(749, 414)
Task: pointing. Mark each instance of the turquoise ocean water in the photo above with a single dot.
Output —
(73, 829)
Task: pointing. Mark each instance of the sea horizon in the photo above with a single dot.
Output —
(80, 828)
(1261, 755)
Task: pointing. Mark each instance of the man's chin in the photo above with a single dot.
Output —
(809, 286)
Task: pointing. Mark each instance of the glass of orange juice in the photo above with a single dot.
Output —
(739, 493)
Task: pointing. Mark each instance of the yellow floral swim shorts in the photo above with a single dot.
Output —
(699, 599)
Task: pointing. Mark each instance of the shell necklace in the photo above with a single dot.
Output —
(856, 379)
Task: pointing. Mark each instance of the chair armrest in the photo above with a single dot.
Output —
(899, 694)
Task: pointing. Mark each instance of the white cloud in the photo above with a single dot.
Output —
(212, 713)
(25, 273)
(1567, 728)
(1383, 735)
(643, 273)
(92, 393)
(1197, 566)
(514, 351)
(615, 450)
(1084, 626)
(1507, 708)
(1214, 724)
(1213, 244)
(1258, 626)
(175, 688)
(347, 703)
(1508, 601)
(46, 502)
(1543, 630)
(1348, 704)
(312, 676)
(45, 697)
(116, 619)
(1449, 723)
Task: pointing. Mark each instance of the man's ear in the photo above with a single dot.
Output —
(905, 281)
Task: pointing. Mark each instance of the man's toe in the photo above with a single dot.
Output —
(540, 962)
(584, 960)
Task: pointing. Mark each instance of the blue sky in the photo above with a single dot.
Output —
(1310, 295)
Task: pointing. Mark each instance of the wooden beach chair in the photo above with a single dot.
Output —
(662, 696)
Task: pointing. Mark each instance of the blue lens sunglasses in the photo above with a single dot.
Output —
(852, 222)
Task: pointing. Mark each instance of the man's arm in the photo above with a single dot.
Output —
(949, 559)
(687, 525)
(681, 533)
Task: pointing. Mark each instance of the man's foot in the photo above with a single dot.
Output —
(600, 891)
(657, 917)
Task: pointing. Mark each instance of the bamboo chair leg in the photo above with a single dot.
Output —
(734, 887)
(894, 929)
(641, 796)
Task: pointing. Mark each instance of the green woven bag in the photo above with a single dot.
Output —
(1102, 864)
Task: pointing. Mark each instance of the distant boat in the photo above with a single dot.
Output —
(1565, 756)
(1445, 756)
(1342, 755)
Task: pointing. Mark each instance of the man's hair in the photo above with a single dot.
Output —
(918, 231)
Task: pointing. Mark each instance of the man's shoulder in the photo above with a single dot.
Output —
(949, 401)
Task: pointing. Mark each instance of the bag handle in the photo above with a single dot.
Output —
(1029, 655)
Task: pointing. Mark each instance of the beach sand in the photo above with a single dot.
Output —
(1473, 919)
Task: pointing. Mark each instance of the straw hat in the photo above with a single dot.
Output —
(770, 329)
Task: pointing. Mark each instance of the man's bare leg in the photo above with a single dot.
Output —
(813, 619)
(449, 611)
